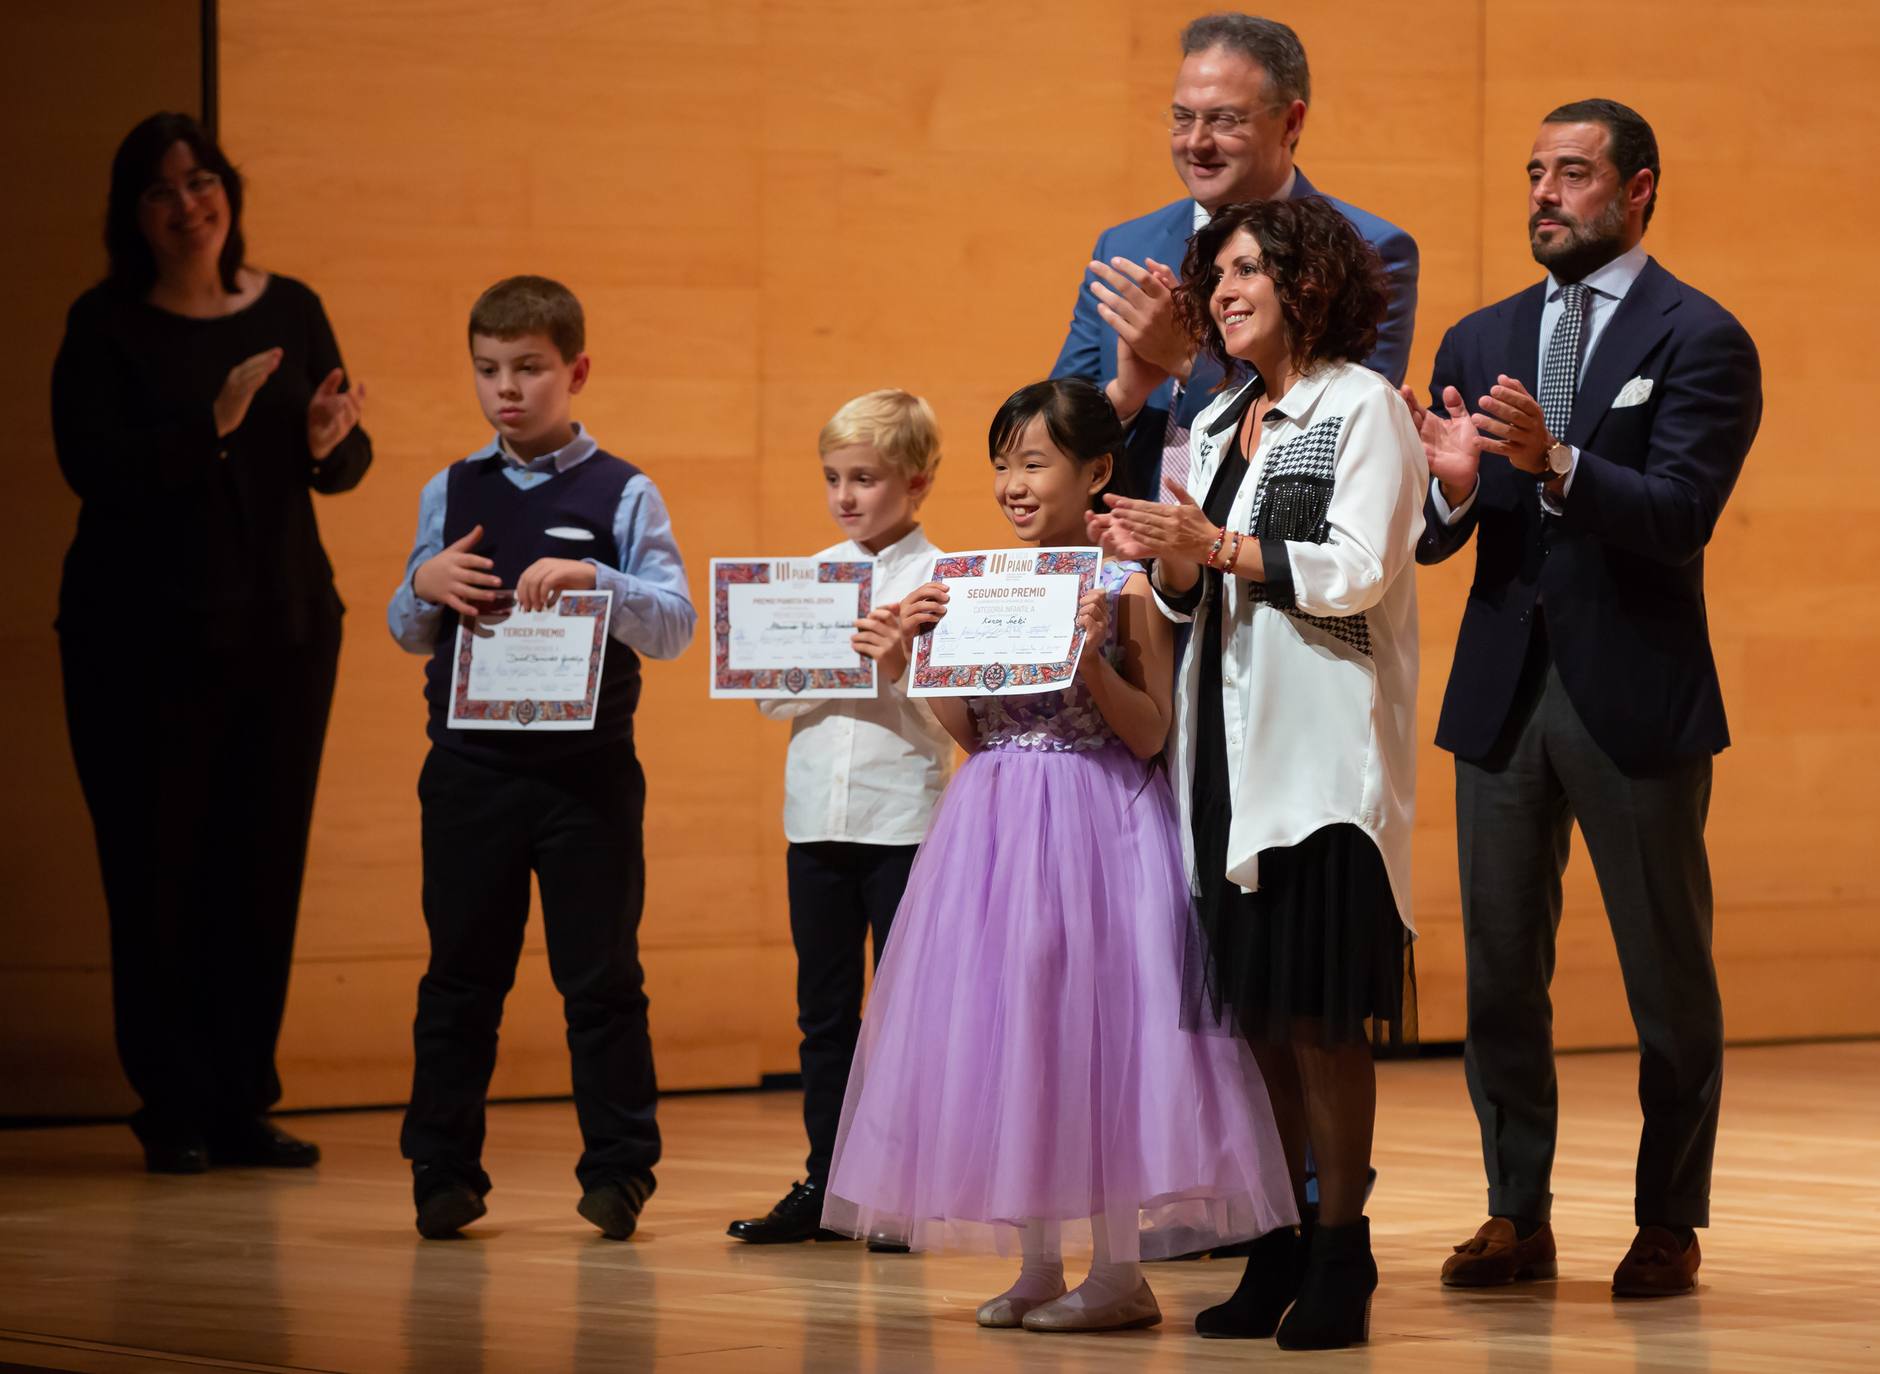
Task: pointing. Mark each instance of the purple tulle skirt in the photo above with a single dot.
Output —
(1022, 1061)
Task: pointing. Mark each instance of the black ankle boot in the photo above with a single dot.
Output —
(1334, 1306)
(1308, 1227)
(1270, 1282)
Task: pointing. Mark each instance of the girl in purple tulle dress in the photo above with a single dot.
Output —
(1022, 1077)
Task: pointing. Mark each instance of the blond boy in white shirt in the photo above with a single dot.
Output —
(861, 779)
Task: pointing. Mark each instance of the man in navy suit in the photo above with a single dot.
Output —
(1239, 108)
(1616, 406)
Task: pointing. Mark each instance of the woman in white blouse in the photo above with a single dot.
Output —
(1295, 751)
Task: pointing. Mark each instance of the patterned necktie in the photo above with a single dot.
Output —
(1560, 372)
(1176, 461)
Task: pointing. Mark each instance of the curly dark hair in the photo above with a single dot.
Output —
(1331, 284)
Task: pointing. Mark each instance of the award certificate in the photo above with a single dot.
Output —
(781, 627)
(1011, 622)
(531, 670)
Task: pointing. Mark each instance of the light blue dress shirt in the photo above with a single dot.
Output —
(652, 608)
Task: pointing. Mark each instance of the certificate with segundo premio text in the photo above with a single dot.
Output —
(531, 670)
(783, 627)
(1011, 622)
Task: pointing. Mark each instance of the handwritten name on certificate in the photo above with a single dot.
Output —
(1011, 622)
(782, 627)
(531, 670)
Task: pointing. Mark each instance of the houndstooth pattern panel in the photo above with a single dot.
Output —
(1291, 503)
(1309, 458)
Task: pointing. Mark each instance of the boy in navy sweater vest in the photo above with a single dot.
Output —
(541, 509)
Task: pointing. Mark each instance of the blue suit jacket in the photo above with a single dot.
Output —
(1621, 574)
(1090, 347)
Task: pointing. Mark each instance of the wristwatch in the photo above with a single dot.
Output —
(1560, 460)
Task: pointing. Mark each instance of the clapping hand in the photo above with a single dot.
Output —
(239, 388)
(1137, 300)
(1154, 529)
(1135, 381)
(1515, 426)
(1114, 540)
(332, 414)
(1452, 446)
(878, 636)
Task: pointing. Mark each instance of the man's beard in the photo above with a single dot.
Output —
(1586, 247)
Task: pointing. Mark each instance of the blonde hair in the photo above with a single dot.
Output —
(898, 424)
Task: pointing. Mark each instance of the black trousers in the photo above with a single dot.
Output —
(200, 788)
(577, 828)
(1645, 835)
(839, 893)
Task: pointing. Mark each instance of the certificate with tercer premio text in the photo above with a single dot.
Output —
(531, 670)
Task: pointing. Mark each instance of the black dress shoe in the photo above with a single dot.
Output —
(885, 1247)
(798, 1217)
(176, 1157)
(614, 1206)
(257, 1143)
(447, 1209)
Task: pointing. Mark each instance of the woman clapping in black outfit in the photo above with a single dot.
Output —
(197, 402)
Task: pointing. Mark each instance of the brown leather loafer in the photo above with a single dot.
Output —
(1496, 1255)
(1657, 1266)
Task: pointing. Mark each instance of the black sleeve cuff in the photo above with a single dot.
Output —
(1278, 580)
(1182, 603)
(345, 467)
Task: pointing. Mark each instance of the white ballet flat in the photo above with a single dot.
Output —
(1139, 1309)
(1007, 1312)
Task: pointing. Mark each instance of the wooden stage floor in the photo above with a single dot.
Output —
(104, 1268)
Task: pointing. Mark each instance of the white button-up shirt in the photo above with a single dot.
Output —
(1320, 699)
(866, 771)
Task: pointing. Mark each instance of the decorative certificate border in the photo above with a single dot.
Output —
(473, 713)
(970, 678)
(786, 682)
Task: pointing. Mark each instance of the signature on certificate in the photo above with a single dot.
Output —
(798, 630)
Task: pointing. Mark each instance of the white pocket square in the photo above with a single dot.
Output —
(568, 532)
(1634, 393)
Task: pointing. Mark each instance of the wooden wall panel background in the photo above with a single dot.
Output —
(770, 205)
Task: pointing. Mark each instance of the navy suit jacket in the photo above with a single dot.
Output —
(1090, 346)
(1619, 576)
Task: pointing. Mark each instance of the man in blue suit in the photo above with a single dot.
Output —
(1239, 108)
(1616, 406)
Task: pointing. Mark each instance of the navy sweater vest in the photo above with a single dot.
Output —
(517, 527)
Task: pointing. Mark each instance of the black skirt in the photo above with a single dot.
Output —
(1320, 948)
(1317, 953)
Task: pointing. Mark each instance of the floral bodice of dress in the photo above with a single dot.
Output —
(1063, 722)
